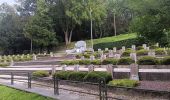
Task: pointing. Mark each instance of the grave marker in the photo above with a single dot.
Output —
(134, 72)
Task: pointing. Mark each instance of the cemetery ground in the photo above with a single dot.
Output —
(135, 72)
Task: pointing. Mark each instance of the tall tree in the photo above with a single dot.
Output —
(39, 28)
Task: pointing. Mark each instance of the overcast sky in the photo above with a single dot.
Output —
(11, 2)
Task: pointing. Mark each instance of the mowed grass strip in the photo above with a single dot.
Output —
(7, 93)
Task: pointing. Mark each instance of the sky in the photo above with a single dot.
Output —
(11, 2)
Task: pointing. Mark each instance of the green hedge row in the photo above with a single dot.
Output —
(122, 61)
(83, 76)
(124, 83)
(127, 43)
(40, 74)
(147, 60)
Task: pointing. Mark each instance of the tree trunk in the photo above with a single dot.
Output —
(66, 37)
(70, 37)
(115, 24)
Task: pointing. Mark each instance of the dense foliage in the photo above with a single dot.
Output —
(43, 24)
(124, 83)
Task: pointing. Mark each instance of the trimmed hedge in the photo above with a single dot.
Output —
(126, 53)
(83, 76)
(166, 61)
(4, 64)
(76, 76)
(124, 83)
(84, 62)
(147, 60)
(71, 62)
(139, 48)
(142, 52)
(125, 61)
(109, 61)
(40, 74)
(160, 51)
(63, 75)
(118, 44)
(96, 62)
(96, 76)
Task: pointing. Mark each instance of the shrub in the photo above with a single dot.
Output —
(77, 76)
(166, 61)
(147, 60)
(96, 62)
(4, 64)
(109, 61)
(153, 47)
(96, 54)
(126, 53)
(79, 56)
(118, 44)
(40, 74)
(84, 62)
(72, 62)
(124, 83)
(160, 51)
(139, 48)
(86, 55)
(96, 76)
(125, 61)
(63, 75)
(142, 52)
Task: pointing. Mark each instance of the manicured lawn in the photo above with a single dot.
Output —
(7, 93)
(109, 39)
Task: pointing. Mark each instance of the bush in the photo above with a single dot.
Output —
(109, 61)
(147, 60)
(96, 54)
(78, 56)
(96, 62)
(160, 51)
(125, 61)
(118, 44)
(124, 83)
(40, 74)
(84, 62)
(72, 62)
(4, 64)
(166, 61)
(139, 48)
(77, 76)
(63, 75)
(142, 52)
(96, 76)
(126, 53)
(153, 47)
(86, 55)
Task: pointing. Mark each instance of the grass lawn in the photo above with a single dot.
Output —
(7, 93)
(108, 39)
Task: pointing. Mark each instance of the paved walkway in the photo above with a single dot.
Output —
(48, 92)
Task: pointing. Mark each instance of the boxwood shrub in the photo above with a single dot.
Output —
(126, 53)
(63, 75)
(166, 61)
(77, 76)
(139, 48)
(142, 52)
(96, 62)
(109, 61)
(124, 83)
(160, 51)
(40, 74)
(71, 62)
(125, 61)
(147, 60)
(84, 62)
(96, 76)
(4, 64)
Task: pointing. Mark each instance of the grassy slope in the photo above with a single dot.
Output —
(108, 39)
(13, 94)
